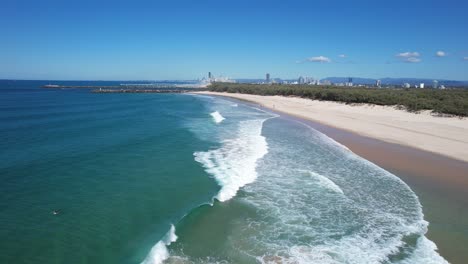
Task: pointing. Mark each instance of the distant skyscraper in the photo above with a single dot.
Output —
(421, 85)
(310, 80)
(435, 84)
(350, 82)
(209, 75)
(301, 80)
(378, 83)
(268, 78)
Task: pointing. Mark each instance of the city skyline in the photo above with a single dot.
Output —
(150, 40)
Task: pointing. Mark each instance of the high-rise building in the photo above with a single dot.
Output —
(350, 82)
(421, 85)
(378, 83)
(268, 78)
(209, 75)
(301, 80)
(435, 84)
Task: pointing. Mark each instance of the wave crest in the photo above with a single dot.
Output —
(159, 252)
(217, 117)
(234, 164)
(323, 181)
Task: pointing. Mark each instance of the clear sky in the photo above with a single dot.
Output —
(149, 40)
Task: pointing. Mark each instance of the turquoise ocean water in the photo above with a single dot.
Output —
(178, 178)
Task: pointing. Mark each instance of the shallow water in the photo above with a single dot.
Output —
(184, 178)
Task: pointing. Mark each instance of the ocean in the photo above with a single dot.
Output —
(182, 178)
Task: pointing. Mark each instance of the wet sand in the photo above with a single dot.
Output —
(440, 182)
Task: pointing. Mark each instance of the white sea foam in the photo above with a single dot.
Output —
(337, 208)
(324, 181)
(425, 252)
(307, 222)
(326, 139)
(235, 105)
(201, 95)
(217, 117)
(234, 164)
(358, 249)
(159, 252)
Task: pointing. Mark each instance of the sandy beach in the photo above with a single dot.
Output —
(429, 153)
(447, 136)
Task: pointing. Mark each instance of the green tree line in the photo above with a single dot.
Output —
(447, 101)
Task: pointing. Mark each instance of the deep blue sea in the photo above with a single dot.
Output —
(182, 178)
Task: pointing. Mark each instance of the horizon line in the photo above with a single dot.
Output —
(179, 80)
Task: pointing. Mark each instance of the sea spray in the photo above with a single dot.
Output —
(217, 117)
(233, 164)
(159, 252)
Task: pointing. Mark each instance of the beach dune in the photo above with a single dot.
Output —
(447, 136)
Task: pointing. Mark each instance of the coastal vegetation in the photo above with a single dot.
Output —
(447, 101)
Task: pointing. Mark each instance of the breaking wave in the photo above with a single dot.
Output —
(233, 164)
(159, 252)
(324, 182)
(314, 200)
(217, 117)
(320, 203)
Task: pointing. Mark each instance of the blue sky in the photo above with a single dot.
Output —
(148, 40)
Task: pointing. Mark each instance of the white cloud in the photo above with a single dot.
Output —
(318, 59)
(411, 57)
(408, 54)
(412, 60)
(441, 53)
(342, 56)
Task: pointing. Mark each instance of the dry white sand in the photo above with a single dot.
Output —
(447, 136)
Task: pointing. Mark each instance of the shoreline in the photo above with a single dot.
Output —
(446, 136)
(440, 182)
(391, 155)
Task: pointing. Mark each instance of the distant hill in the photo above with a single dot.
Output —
(355, 80)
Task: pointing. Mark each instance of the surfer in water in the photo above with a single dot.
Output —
(56, 212)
